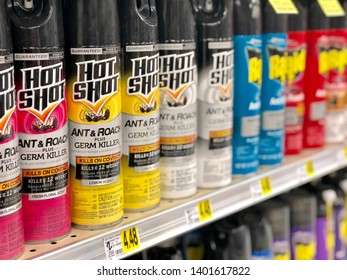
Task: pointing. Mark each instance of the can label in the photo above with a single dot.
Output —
(178, 117)
(336, 87)
(216, 84)
(316, 78)
(11, 217)
(248, 62)
(303, 244)
(273, 99)
(43, 142)
(281, 248)
(141, 140)
(295, 96)
(94, 104)
(263, 255)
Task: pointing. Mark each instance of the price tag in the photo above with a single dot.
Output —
(122, 244)
(284, 6)
(310, 168)
(205, 210)
(266, 186)
(130, 239)
(345, 153)
(200, 213)
(331, 8)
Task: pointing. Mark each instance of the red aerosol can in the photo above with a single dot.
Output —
(316, 76)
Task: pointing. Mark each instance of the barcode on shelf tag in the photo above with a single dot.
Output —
(331, 8)
(284, 6)
(310, 171)
(200, 213)
(113, 247)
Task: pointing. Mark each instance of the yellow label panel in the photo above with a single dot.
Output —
(283, 257)
(205, 210)
(305, 252)
(130, 239)
(266, 186)
(331, 8)
(284, 6)
(310, 168)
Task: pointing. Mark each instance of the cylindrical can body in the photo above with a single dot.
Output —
(11, 213)
(178, 98)
(140, 104)
(295, 95)
(215, 94)
(94, 107)
(247, 86)
(42, 114)
(271, 145)
(316, 77)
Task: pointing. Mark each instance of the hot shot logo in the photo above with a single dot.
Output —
(7, 102)
(296, 64)
(177, 73)
(144, 80)
(42, 91)
(222, 74)
(255, 66)
(97, 82)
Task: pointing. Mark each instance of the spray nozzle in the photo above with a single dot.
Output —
(28, 4)
(144, 7)
(208, 6)
(329, 196)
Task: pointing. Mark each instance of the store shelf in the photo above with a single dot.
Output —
(170, 219)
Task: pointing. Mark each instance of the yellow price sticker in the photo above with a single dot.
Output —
(345, 153)
(284, 6)
(305, 252)
(310, 168)
(130, 239)
(331, 8)
(205, 210)
(266, 186)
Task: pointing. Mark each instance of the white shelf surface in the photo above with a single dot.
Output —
(170, 220)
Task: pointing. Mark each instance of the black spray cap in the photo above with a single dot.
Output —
(303, 208)
(215, 19)
(247, 17)
(273, 22)
(138, 21)
(299, 21)
(36, 23)
(5, 31)
(341, 21)
(91, 23)
(277, 214)
(317, 20)
(261, 232)
(176, 21)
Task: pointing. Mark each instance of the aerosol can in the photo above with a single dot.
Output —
(94, 107)
(11, 213)
(178, 98)
(271, 145)
(316, 76)
(337, 80)
(140, 104)
(295, 94)
(247, 86)
(38, 36)
(216, 91)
